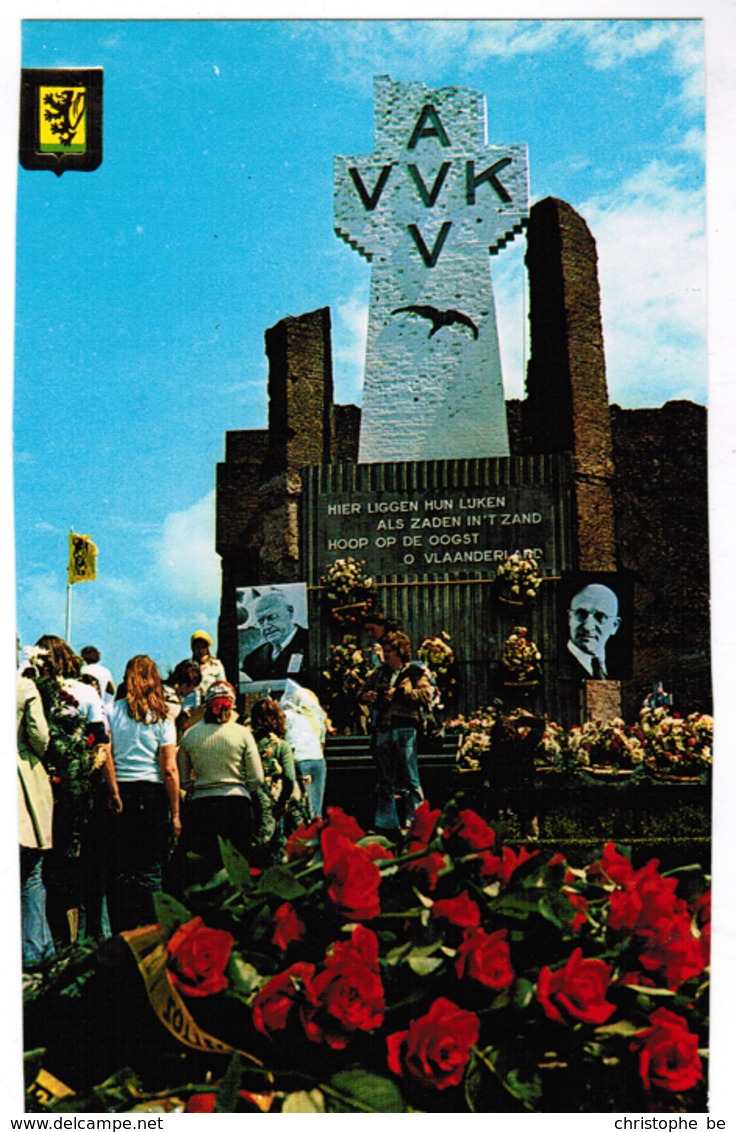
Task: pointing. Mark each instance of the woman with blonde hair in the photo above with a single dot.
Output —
(144, 753)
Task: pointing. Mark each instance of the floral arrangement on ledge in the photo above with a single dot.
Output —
(599, 744)
(675, 746)
(438, 654)
(518, 579)
(350, 592)
(346, 671)
(660, 744)
(520, 658)
(447, 973)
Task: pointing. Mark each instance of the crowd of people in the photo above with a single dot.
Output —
(124, 792)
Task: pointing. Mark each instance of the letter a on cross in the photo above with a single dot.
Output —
(427, 208)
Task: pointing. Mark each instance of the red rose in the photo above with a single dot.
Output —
(361, 947)
(668, 1053)
(435, 1050)
(428, 867)
(505, 866)
(647, 898)
(460, 910)
(344, 823)
(376, 851)
(347, 995)
(673, 949)
(613, 865)
(702, 919)
(205, 1102)
(578, 989)
(471, 831)
(198, 957)
(272, 1005)
(580, 906)
(303, 841)
(352, 878)
(201, 1102)
(424, 822)
(289, 926)
(485, 958)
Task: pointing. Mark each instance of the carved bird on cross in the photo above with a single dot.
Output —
(439, 318)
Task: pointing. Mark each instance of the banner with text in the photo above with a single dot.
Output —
(437, 531)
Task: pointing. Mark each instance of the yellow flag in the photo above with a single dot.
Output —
(82, 559)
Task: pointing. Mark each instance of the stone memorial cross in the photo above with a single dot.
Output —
(426, 208)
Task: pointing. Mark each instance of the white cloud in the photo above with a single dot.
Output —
(651, 248)
(186, 560)
(349, 338)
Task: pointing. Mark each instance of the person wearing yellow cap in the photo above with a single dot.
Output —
(211, 668)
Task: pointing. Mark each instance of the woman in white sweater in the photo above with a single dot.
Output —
(221, 771)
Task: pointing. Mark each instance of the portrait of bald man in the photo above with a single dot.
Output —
(597, 638)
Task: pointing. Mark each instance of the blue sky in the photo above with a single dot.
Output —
(144, 289)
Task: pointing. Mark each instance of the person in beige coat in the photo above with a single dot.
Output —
(35, 813)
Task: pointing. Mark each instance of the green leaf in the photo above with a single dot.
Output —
(472, 1082)
(625, 1028)
(227, 1091)
(424, 964)
(527, 1089)
(367, 1091)
(170, 913)
(523, 993)
(313, 1101)
(236, 866)
(396, 954)
(279, 881)
(244, 977)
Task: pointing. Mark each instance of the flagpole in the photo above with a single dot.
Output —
(68, 633)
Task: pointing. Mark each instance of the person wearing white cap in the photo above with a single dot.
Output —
(221, 771)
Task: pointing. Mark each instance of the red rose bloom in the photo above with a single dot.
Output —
(505, 866)
(272, 1005)
(702, 919)
(428, 867)
(613, 865)
(647, 898)
(352, 878)
(485, 958)
(205, 1102)
(201, 1102)
(435, 1050)
(673, 949)
(578, 989)
(580, 906)
(347, 995)
(668, 1053)
(376, 851)
(303, 841)
(198, 956)
(471, 831)
(289, 926)
(424, 822)
(344, 823)
(460, 910)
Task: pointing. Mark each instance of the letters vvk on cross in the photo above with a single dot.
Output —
(426, 209)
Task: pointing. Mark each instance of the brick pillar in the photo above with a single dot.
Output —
(300, 390)
(567, 408)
